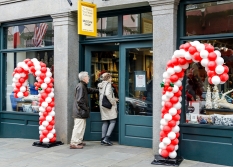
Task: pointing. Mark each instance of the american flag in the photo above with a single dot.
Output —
(39, 32)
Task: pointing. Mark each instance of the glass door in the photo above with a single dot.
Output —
(98, 60)
(136, 94)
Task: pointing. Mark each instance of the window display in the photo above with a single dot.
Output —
(29, 104)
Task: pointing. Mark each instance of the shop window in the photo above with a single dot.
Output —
(209, 18)
(30, 35)
(138, 23)
(29, 104)
(206, 103)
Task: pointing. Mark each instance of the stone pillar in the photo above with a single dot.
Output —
(164, 44)
(66, 61)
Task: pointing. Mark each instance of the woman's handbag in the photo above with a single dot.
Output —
(105, 102)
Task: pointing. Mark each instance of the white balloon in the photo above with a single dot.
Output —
(48, 74)
(45, 123)
(177, 69)
(14, 80)
(17, 76)
(170, 71)
(204, 62)
(44, 104)
(172, 111)
(25, 83)
(180, 99)
(43, 85)
(160, 150)
(51, 95)
(166, 75)
(177, 105)
(52, 113)
(166, 141)
(40, 132)
(165, 98)
(37, 78)
(185, 66)
(175, 89)
(176, 147)
(20, 94)
(50, 136)
(204, 54)
(176, 129)
(168, 117)
(187, 56)
(177, 122)
(219, 69)
(48, 99)
(45, 140)
(196, 43)
(206, 69)
(178, 83)
(47, 80)
(53, 131)
(173, 154)
(192, 43)
(25, 67)
(219, 61)
(171, 135)
(38, 72)
(163, 122)
(217, 53)
(162, 145)
(177, 53)
(13, 85)
(169, 94)
(200, 47)
(22, 75)
(37, 67)
(162, 103)
(41, 127)
(161, 127)
(42, 109)
(22, 89)
(215, 80)
(49, 118)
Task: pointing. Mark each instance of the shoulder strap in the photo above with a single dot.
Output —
(105, 89)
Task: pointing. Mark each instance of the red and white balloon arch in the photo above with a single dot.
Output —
(44, 85)
(172, 87)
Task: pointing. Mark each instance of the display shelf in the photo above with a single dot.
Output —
(218, 111)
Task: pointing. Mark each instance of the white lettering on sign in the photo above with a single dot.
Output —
(87, 19)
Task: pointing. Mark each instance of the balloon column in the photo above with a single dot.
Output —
(44, 85)
(172, 87)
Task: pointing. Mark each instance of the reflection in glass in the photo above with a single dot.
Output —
(31, 35)
(206, 103)
(138, 82)
(137, 23)
(209, 18)
(30, 103)
(101, 62)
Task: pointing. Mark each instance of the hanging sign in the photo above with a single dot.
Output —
(87, 18)
(140, 80)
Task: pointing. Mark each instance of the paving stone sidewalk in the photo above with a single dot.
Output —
(20, 153)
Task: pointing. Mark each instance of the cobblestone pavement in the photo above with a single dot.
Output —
(20, 153)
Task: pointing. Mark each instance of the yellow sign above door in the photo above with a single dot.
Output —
(87, 16)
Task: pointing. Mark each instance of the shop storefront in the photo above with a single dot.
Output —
(206, 128)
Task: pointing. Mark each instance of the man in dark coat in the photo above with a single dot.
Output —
(81, 110)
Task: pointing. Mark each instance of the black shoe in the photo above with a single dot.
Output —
(107, 142)
(102, 142)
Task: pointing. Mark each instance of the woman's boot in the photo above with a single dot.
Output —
(102, 142)
(106, 141)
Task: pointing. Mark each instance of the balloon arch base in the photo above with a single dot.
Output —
(47, 145)
(159, 160)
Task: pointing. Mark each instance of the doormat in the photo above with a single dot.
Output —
(159, 160)
(47, 145)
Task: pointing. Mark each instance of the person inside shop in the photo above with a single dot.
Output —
(81, 110)
(108, 116)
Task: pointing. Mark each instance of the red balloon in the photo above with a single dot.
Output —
(48, 90)
(18, 85)
(45, 114)
(226, 69)
(32, 69)
(169, 89)
(181, 46)
(36, 88)
(35, 84)
(30, 63)
(45, 132)
(51, 80)
(224, 77)
(51, 104)
(182, 61)
(50, 85)
(42, 118)
(212, 65)
(40, 81)
(180, 74)
(16, 90)
(210, 80)
(48, 109)
(209, 48)
(179, 111)
(15, 95)
(169, 63)
(42, 137)
(174, 100)
(42, 64)
(43, 69)
(52, 122)
(211, 73)
(166, 129)
(25, 93)
(164, 110)
(168, 105)
(176, 117)
(175, 61)
(174, 78)
(21, 80)
(170, 148)
(164, 92)
(181, 87)
(172, 123)
(175, 141)
(178, 94)
(162, 134)
(49, 127)
(42, 76)
(26, 60)
(212, 56)
(44, 95)
(192, 50)
(197, 56)
(177, 135)
(186, 46)
(164, 153)
(52, 140)
(19, 70)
